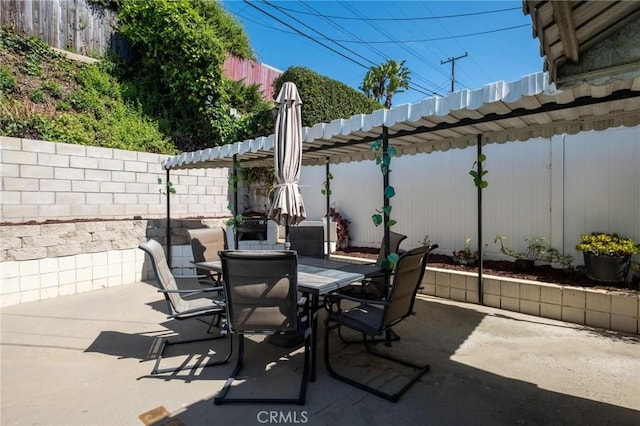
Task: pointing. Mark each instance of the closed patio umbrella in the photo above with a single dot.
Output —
(287, 207)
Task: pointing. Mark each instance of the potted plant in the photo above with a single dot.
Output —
(538, 249)
(466, 256)
(607, 257)
(342, 229)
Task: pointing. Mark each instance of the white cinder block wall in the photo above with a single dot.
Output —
(73, 216)
(47, 180)
(38, 279)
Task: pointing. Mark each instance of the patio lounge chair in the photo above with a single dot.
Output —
(374, 318)
(184, 304)
(262, 298)
(205, 245)
(307, 240)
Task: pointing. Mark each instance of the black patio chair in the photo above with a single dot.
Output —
(262, 299)
(205, 245)
(374, 318)
(307, 240)
(185, 304)
(374, 286)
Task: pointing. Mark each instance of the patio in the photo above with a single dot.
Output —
(76, 360)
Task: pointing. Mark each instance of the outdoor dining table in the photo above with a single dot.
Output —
(316, 277)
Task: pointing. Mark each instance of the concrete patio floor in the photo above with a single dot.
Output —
(78, 360)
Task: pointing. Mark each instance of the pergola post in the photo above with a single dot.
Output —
(480, 254)
(235, 200)
(168, 227)
(327, 189)
(385, 184)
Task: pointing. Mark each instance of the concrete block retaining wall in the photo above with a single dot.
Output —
(42, 261)
(593, 307)
(57, 181)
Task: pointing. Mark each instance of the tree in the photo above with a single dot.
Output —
(176, 75)
(325, 99)
(386, 80)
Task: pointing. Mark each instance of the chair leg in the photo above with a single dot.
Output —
(166, 343)
(393, 397)
(300, 400)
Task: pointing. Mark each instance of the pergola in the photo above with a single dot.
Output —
(496, 113)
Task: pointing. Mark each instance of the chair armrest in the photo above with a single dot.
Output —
(215, 309)
(194, 291)
(179, 277)
(340, 296)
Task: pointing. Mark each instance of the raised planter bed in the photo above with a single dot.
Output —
(572, 298)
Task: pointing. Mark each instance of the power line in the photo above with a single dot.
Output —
(438, 38)
(446, 30)
(424, 91)
(318, 32)
(423, 18)
(427, 91)
(402, 46)
(360, 41)
(304, 35)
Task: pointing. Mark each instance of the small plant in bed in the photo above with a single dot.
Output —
(538, 249)
(466, 256)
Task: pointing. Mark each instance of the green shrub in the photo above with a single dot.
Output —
(600, 243)
(324, 99)
(92, 114)
(63, 105)
(126, 128)
(180, 46)
(7, 80)
(92, 77)
(53, 88)
(38, 96)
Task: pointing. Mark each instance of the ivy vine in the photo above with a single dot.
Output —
(326, 185)
(234, 178)
(478, 178)
(168, 187)
(383, 159)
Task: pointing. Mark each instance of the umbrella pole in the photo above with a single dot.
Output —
(287, 244)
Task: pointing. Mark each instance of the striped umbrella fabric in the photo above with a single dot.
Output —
(288, 207)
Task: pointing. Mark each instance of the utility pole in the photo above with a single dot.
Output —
(453, 67)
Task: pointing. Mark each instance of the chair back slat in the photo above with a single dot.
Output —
(205, 245)
(261, 289)
(163, 274)
(406, 280)
(394, 245)
(307, 240)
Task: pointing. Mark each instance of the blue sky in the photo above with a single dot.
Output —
(342, 39)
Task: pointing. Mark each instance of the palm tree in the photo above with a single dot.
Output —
(386, 80)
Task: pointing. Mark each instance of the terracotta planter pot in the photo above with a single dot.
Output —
(611, 269)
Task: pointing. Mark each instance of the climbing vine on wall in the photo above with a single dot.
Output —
(383, 159)
(234, 178)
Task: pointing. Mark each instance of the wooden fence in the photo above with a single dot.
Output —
(73, 25)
